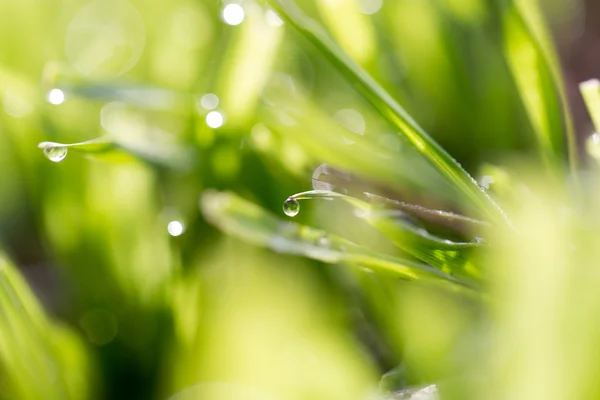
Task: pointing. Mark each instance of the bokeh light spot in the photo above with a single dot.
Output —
(175, 228)
(214, 119)
(233, 14)
(55, 96)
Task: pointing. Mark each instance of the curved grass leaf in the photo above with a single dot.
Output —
(112, 149)
(450, 256)
(244, 220)
(390, 109)
(294, 118)
(536, 72)
(458, 223)
(37, 359)
(327, 178)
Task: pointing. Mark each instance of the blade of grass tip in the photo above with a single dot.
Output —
(109, 148)
(97, 145)
(536, 71)
(590, 91)
(385, 104)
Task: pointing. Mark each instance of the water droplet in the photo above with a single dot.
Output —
(291, 207)
(55, 153)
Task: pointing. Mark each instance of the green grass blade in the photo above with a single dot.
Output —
(112, 149)
(37, 358)
(249, 222)
(450, 256)
(534, 66)
(296, 119)
(390, 109)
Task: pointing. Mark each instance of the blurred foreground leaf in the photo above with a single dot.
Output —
(591, 94)
(38, 360)
(536, 72)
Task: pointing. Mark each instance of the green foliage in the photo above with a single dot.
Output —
(164, 265)
(38, 358)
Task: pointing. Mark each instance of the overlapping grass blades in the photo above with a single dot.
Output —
(390, 110)
(591, 94)
(37, 358)
(450, 256)
(296, 119)
(249, 222)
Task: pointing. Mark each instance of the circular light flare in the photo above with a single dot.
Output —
(209, 101)
(369, 7)
(55, 96)
(233, 14)
(175, 228)
(214, 119)
(351, 120)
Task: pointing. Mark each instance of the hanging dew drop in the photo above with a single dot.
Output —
(55, 153)
(291, 207)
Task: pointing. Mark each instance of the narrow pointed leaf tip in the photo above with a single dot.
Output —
(111, 149)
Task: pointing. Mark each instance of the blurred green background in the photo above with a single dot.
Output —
(114, 284)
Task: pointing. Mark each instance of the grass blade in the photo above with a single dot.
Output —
(37, 359)
(405, 170)
(534, 66)
(112, 149)
(390, 109)
(450, 256)
(249, 222)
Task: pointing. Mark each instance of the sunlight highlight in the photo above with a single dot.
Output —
(175, 228)
(55, 96)
(214, 119)
(233, 14)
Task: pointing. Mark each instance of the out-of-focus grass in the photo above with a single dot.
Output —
(39, 358)
(141, 295)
